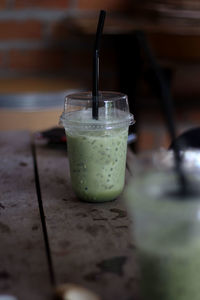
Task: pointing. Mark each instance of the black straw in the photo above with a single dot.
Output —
(95, 85)
(168, 112)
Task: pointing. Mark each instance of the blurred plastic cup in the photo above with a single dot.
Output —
(166, 228)
(97, 148)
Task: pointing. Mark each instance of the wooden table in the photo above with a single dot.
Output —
(89, 244)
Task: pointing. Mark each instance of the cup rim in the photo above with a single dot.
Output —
(107, 96)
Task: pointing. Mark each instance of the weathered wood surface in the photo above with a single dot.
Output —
(91, 244)
(23, 266)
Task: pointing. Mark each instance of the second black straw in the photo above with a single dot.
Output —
(184, 188)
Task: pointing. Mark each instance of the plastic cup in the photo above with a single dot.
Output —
(97, 148)
(166, 230)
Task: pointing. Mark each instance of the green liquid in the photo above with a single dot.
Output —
(97, 163)
(170, 277)
(167, 235)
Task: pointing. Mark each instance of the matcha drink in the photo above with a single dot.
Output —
(166, 230)
(97, 148)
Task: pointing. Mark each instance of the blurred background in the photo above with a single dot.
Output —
(46, 52)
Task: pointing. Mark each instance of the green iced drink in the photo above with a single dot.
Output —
(167, 235)
(97, 163)
(97, 148)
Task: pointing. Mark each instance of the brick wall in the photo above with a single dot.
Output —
(27, 41)
(35, 41)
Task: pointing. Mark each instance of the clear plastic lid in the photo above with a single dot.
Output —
(113, 112)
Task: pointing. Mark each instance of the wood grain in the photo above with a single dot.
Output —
(23, 267)
(91, 243)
